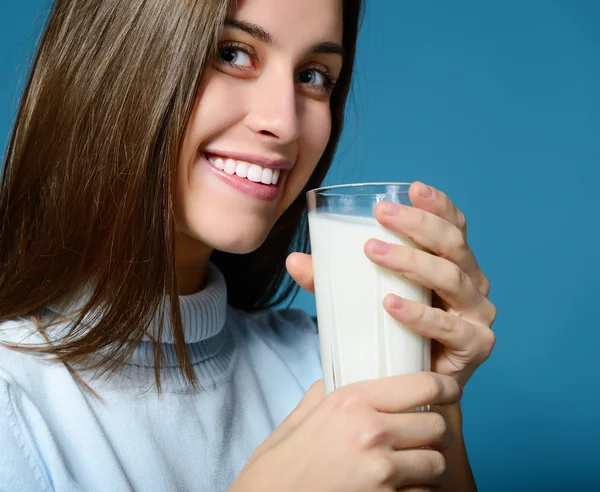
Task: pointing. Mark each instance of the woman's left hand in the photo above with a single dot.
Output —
(460, 320)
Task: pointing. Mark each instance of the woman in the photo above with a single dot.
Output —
(152, 193)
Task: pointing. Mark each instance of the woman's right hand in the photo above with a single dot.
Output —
(360, 438)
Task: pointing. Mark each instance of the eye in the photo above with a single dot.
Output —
(235, 56)
(313, 77)
(316, 78)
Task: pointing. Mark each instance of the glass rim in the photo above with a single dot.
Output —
(324, 189)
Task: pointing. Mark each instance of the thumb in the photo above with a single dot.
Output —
(311, 400)
(299, 266)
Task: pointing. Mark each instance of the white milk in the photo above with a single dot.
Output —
(359, 339)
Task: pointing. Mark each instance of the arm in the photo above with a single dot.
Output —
(460, 476)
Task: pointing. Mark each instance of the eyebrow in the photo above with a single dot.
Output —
(257, 32)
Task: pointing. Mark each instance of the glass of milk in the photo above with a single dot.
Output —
(359, 339)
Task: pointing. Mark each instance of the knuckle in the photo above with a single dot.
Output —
(439, 427)
(461, 220)
(493, 313)
(455, 244)
(411, 256)
(485, 285)
(421, 217)
(380, 468)
(489, 343)
(432, 387)
(447, 322)
(437, 464)
(371, 434)
(420, 314)
(456, 277)
(343, 400)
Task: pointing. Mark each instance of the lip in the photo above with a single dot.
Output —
(260, 191)
(262, 161)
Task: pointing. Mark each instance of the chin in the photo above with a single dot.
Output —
(236, 237)
(240, 245)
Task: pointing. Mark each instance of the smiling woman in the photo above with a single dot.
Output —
(152, 192)
(108, 122)
(253, 137)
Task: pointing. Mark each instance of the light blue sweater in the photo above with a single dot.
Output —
(253, 370)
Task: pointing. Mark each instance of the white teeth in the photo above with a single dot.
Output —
(252, 172)
(255, 173)
(242, 169)
(230, 166)
(267, 176)
(275, 177)
(219, 163)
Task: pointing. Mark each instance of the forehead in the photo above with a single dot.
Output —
(294, 22)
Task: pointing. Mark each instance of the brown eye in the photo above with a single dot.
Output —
(235, 56)
(316, 79)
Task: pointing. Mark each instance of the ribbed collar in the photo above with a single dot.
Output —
(202, 314)
(209, 343)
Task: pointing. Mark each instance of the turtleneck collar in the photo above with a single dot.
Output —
(202, 314)
(209, 343)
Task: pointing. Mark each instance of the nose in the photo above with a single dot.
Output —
(273, 111)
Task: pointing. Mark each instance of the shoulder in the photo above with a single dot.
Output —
(286, 326)
(18, 330)
(23, 433)
(25, 368)
(30, 458)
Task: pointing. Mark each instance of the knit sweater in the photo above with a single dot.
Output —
(252, 369)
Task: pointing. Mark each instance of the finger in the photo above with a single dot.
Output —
(418, 467)
(468, 341)
(299, 266)
(416, 429)
(396, 394)
(311, 400)
(433, 233)
(434, 201)
(450, 282)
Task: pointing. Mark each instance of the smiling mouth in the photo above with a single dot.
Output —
(248, 170)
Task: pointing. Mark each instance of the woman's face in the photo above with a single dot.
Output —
(260, 123)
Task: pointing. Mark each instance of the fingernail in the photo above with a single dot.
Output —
(397, 302)
(425, 191)
(379, 247)
(389, 209)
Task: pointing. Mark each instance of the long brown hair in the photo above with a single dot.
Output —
(87, 186)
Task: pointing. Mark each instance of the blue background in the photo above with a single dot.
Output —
(497, 104)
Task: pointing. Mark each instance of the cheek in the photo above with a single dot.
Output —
(316, 128)
(220, 104)
(217, 107)
(315, 133)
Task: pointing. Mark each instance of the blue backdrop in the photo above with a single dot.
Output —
(496, 103)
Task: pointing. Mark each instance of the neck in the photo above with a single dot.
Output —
(191, 260)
